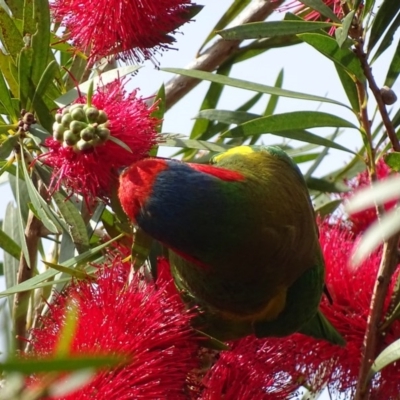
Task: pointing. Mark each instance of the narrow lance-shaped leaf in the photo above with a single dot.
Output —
(322, 8)
(342, 32)
(226, 116)
(394, 68)
(258, 30)
(233, 11)
(76, 225)
(387, 39)
(379, 193)
(377, 233)
(194, 144)
(210, 101)
(388, 356)
(5, 100)
(21, 223)
(10, 227)
(44, 213)
(224, 80)
(10, 36)
(26, 88)
(386, 12)
(62, 364)
(349, 87)
(40, 39)
(9, 245)
(295, 122)
(35, 282)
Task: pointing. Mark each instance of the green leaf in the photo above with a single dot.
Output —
(8, 245)
(43, 113)
(273, 101)
(141, 248)
(323, 185)
(5, 100)
(210, 101)
(285, 122)
(61, 364)
(328, 208)
(393, 160)
(26, 87)
(224, 80)
(120, 143)
(159, 113)
(16, 7)
(20, 219)
(258, 30)
(258, 47)
(38, 280)
(7, 146)
(379, 193)
(76, 225)
(40, 38)
(70, 271)
(227, 117)
(302, 158)
(10, 227)
(386, 12)
(6, 68)
(66, 335)
(41, 207)
(194, 144)
(10, 36)
(394, 68)
(342, 32)
(322, 8)
(388, 356)
(388, 38)
(349, 87)
(329, 48)
(233, 11)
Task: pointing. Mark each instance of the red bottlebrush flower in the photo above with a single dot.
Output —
(142, 321)
(133, 30)
(362, 220)
(251, 369)
(289, 362)
(87, 169)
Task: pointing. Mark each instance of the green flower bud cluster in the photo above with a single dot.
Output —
(81, 127)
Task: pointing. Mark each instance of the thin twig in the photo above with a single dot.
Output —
(388, 264)
(216, 54)
(359, 51)
(21, 300)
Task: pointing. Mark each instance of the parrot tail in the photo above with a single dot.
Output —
(320, 328)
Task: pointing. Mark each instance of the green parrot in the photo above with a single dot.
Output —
(242, 239)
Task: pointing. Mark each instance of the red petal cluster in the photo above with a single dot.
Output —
(362, 220)
(140, 320)
(92, 173)
(309, 14)
(130, 29)
(274, 368)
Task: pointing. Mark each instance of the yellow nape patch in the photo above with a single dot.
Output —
(231, 152)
